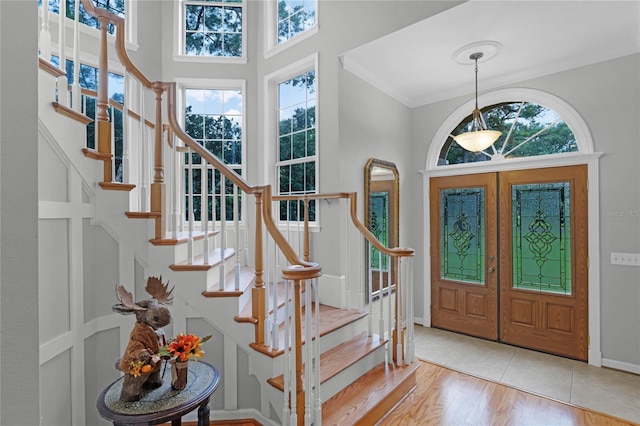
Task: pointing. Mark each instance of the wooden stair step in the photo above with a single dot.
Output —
(369, 398)
(198, 264)
(181, 237)
(339, 358)
(331, 319)
(247, 275)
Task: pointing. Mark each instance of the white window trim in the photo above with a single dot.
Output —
(178, 37)
(270, 132)
(271, 46)
(585, 155)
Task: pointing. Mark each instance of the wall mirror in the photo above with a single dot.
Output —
(381, 209)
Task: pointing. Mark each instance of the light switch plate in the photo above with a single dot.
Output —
(629, 259)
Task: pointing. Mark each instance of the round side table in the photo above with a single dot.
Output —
(163, 404)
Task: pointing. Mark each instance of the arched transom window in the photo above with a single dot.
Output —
(528, 129)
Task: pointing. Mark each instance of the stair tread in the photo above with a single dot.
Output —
(332, 319)
(369, 398)
(199, 264)
(340, 357)
(180, 238)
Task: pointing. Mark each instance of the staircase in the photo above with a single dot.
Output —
(315, 363)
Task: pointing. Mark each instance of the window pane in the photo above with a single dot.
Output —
(294, 17)
(528, 129)
(296, 144)
(213, 118)
(542, 237)
(213, 30)
(462, 235)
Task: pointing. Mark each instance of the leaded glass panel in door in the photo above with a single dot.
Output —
(462, 234)
(541, 232)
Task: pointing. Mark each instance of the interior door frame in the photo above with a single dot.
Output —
(591, 160)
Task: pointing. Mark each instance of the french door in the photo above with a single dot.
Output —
(509, 257)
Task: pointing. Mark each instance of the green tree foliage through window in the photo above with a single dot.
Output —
(213, 28)
(296, 165)
(528, 130)
(295, 17)
(114, 6)
(213, 117)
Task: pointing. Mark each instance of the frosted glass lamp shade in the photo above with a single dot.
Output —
(478, 140)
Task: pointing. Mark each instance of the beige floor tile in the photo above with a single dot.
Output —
(604, 390)
(540, 373)
(607, 390)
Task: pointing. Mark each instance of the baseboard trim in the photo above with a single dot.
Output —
(619, 365)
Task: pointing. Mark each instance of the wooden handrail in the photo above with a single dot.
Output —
(352, 197)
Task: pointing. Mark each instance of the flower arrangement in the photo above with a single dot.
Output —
(184, 347)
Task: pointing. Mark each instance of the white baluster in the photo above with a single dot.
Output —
(286, 412)
(75, 91)
(308, 351)
(223, 227)
(44, 41)
(318, 402)
(190, 212)
(399, 295)
(175, 183)
(63, 81)
(236, 226)
(204, 209)
(274, 282)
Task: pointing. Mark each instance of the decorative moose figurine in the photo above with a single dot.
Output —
(140, 361)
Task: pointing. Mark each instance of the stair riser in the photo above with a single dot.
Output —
(350, 374)
(212, 276)
(182, 250)
(338, 336)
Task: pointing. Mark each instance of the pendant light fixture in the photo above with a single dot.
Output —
(479, 137)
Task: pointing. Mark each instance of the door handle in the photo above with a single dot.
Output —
(491, 269)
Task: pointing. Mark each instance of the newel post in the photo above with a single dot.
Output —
(258, 293)
(299, 275)
(158, 187)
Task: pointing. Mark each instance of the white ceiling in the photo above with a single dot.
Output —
(415, 65)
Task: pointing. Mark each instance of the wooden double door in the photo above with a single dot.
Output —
(509, 257)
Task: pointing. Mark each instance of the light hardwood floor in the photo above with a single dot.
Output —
(598, 389)
(447, 397)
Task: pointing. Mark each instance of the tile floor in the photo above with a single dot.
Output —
(604, 390)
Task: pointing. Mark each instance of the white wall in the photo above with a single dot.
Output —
(19, 381)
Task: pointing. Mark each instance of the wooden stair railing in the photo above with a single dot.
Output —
(402, 350)
(158, 187)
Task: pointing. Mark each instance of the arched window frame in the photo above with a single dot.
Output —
(575, 122)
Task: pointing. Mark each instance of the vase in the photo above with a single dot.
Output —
(179, 374)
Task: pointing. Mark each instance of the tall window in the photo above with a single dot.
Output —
(213, 117)
(528, 129)
(213, 28)
(295, 17)
(296, 164)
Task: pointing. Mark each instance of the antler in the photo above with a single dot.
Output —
(158, 290)
(126, 299)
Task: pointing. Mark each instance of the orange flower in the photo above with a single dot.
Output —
(185, 346)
